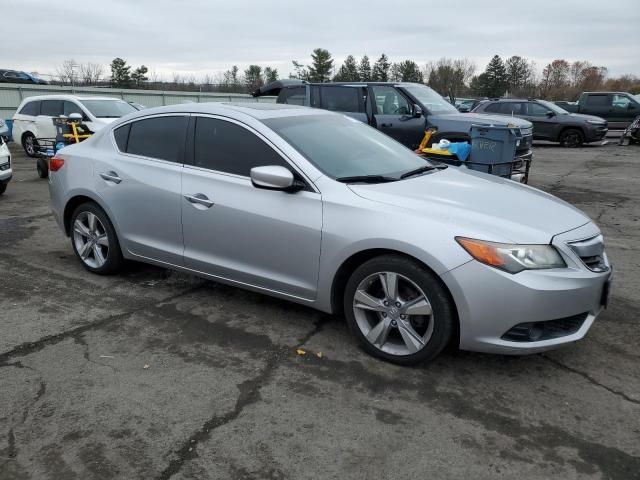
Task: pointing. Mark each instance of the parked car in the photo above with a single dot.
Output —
(5, 166)
(465, 105)
(401, 110)
(4, 130)
(617, 108)
(322, 210)
(33, 119)
(550, 122)
(15, 76)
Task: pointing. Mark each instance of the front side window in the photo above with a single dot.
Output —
(340, 99)
(159, 137)
(71, 107)
(51, 108)
(537, 110)
(389, 101)
(108, 108)
(227, 147)
(31, 108)
(355, 149)
(621, 101)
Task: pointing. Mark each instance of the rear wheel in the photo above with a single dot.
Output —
(398, 310)
(94, 240)
(42, 168)
(29, 143)
(571, 138)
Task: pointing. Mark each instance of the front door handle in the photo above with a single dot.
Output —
(111, 177)
(387, 125)
(200, 199)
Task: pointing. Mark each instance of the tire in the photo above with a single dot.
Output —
(29, 143)
(94, 240)
(571, 138)
(3, 188)
(404, 332)
(42, 168)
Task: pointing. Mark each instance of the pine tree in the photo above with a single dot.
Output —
(364, 69)
(253, 77)
(348, 72)
(409, 71)
(380, 71)
(139, 75)
(321, 65)
(270, 74)
(496, 78)
(120, 73)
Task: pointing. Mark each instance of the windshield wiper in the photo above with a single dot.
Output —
(366, 179)
(423, 169)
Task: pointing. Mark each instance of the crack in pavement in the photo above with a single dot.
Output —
(32, 347)
(249, 394)
(589, 378)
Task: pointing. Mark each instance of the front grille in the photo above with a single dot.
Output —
(591, 252)
(545, 330)
(5, 166)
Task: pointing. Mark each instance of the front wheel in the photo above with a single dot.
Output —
(571, 138)
(94, 240)
(29, 143)
(398, 310)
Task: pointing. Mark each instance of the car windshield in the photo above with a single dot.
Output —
(342, 147)
(429, 99)
(108, 108)
(554, 107)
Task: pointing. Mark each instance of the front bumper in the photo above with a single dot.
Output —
(491, 302)
(596, 133)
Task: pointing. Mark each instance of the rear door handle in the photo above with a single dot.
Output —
(111, 177)
(200, 199)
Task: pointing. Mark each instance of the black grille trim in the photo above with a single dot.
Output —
(545, 330)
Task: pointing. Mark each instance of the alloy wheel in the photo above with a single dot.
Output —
(29, 145)
(393, 313)
(90, 239)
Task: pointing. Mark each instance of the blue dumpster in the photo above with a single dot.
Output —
(493, 149)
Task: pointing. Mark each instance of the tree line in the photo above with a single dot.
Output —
(514, 76)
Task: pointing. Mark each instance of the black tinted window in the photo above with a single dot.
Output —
(51, 108)
(230, 148)
(292, 96)
(598, 101)
(494, 108)
(537, 110)
(160, 137)
(70, 107)
(31, 108)
(341, 99)
(121, 135)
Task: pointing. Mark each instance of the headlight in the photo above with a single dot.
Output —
(512, 258)
(595, 122)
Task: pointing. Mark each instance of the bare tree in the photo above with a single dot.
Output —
(450, 76)
(90, 73)
(67, 72)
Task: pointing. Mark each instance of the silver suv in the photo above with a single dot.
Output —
(321, 209)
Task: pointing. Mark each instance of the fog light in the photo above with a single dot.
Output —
(535, 332)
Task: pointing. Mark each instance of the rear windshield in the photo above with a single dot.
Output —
(108, 108)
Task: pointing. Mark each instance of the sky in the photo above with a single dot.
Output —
(202, 37)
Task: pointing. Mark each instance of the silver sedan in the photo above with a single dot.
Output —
(322, 210)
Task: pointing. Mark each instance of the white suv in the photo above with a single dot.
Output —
(5, 166)
(33, 119)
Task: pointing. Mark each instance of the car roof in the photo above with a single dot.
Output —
(259, 111)
(68, 97)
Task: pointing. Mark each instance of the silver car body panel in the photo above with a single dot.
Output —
(292, 245)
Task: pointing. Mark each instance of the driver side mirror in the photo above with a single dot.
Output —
(551, 114)
(275, 177)
(417, 111)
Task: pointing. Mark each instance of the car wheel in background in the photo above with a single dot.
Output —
(571, 138)
(398, 310)
(42, 168)
(29, 144)
(94, 240)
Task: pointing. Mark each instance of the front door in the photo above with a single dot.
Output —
(393, 115)
(233, 230)
(545, 123)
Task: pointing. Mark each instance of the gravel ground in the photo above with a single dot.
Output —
(153, 374)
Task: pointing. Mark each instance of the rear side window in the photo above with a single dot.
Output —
(292, 96)
(51, 108)
(159, 137)
(341, 99)
(31, 108)
(598, 101)
(121, 135)
(227, 147)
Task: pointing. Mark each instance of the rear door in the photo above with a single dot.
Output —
(393, 115)
(598, 104)
(342, 99)
(141, 183)
(263, 238)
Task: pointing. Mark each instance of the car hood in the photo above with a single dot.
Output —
(581, 116)
(479, 205)
(485, 119)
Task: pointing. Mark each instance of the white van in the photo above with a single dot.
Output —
(5, 166)
(33, 119)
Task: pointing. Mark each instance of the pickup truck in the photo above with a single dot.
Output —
(617, 108)
(401, 110)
